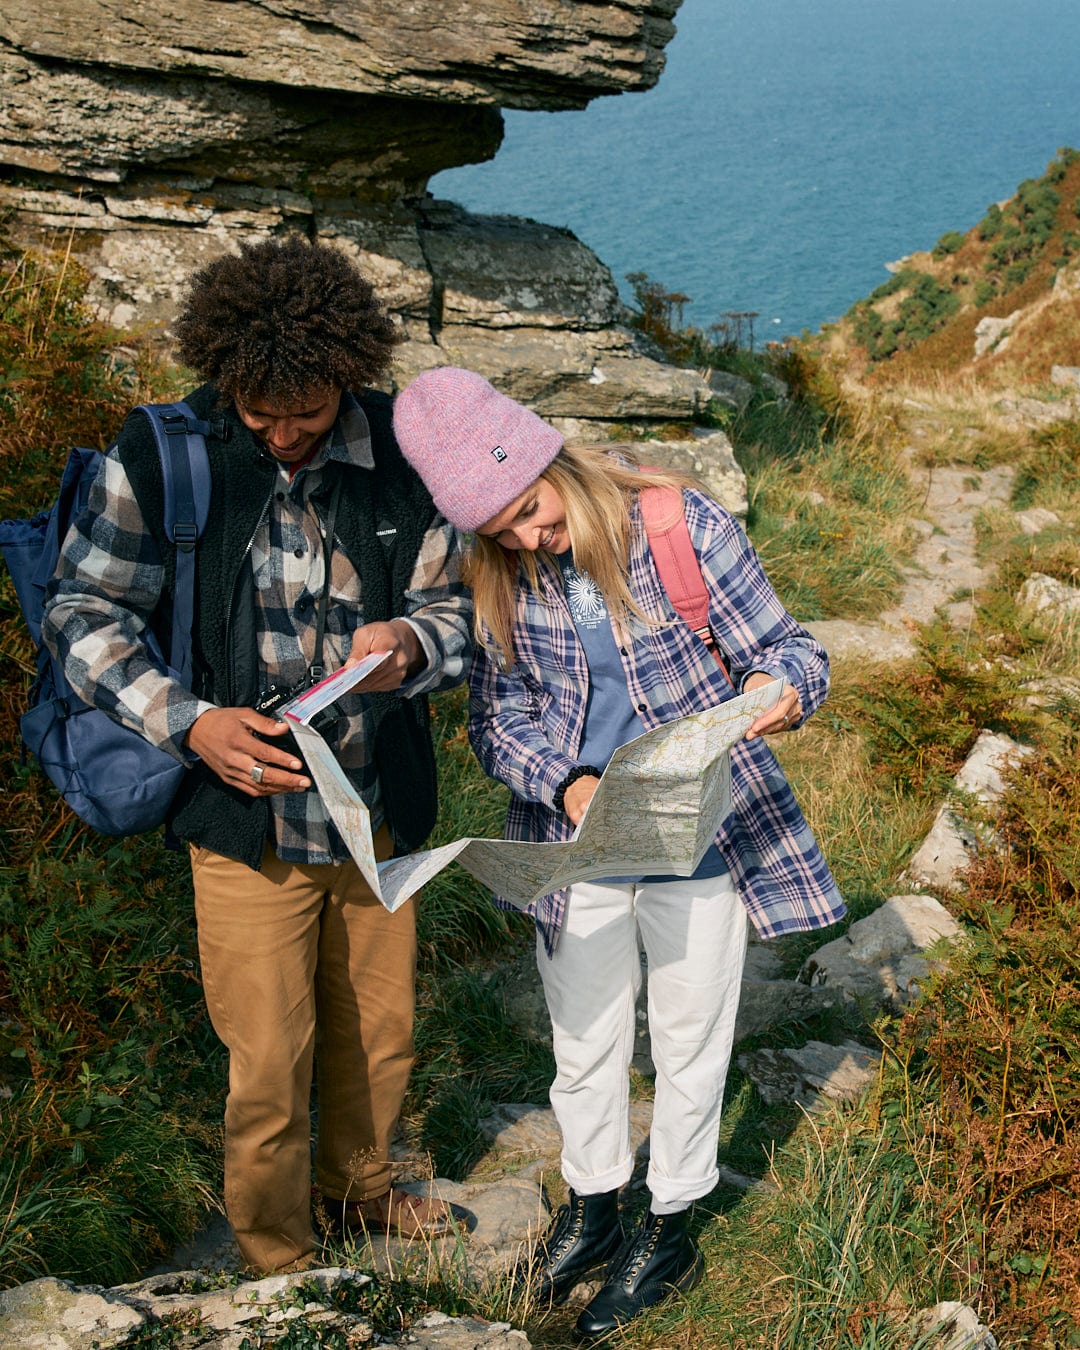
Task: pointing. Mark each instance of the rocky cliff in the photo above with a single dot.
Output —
(155, 137)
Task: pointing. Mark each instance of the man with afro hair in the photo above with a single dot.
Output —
(321, 546)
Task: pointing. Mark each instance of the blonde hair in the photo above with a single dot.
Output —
(597, 487)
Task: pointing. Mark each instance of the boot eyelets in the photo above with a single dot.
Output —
(660, 1260)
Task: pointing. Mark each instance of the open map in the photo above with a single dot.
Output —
(656, 810)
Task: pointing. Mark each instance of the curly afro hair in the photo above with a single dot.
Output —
(283, 319)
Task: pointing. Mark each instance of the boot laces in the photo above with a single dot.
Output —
(636, 1252)
(567, 1229)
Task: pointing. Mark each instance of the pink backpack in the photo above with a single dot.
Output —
(678, 565)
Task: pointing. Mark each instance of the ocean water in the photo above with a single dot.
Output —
(793, 147)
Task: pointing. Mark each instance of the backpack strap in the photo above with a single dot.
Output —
(180, 437)
(678, 564)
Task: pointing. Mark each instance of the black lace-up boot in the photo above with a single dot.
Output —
(658, 1260)
(584, 1235)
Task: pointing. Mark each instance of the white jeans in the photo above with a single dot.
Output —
(694, 935)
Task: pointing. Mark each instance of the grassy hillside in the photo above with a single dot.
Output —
(920, 324)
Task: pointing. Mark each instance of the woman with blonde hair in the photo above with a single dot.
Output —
(579, 651)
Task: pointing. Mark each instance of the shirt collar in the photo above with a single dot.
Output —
(349, 442)
(350, 437)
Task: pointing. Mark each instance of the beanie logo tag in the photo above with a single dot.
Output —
(498, 454)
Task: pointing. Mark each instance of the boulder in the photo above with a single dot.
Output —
(96, 126)
(952, 843)
(992, 334)
(950, 1326)
(1036, 519)
(53, 1315)
(730, 389)
(881, 959)
(249, 1302)
(152, 142)
(814, 1076)
(708, 455)
(526, 305)
(1042, 593)
(765, 1004)
(1067, 376)
(50, 1314)
(503, 272)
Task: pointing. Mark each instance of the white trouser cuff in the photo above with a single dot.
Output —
(669, 1196)
(667, 1207)
(610, 1180)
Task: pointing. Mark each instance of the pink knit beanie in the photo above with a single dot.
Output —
(475, 449)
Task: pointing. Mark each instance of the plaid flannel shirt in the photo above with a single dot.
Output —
(109, 582)
(526, 724)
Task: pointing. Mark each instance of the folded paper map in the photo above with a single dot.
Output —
(656, 810)
(319, 696)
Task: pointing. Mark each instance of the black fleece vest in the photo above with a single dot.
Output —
(391, 496)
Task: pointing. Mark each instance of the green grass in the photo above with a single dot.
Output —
(829, 501)
(470, 1058)
(456, 917)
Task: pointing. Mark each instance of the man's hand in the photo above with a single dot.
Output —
(225, 739)
(782, 717)
(396, 637)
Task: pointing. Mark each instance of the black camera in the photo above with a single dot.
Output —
(275, 696)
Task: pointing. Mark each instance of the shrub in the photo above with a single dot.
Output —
(921, 721)
(1050, 472)
(59, 383)
(1017, 272)
(991, 224)
(950, 242)
(1035, 198)
(985, 290)
(927, 306)
(1013, 244)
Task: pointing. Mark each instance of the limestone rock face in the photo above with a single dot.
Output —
(882, 959)
(526, 305)
(130, 126)
(332, 97)
(152, 139)
(953, 843)
(516, 53)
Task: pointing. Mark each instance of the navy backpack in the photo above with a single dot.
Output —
(109, 775)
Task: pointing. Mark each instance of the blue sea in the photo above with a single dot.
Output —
(794, 147)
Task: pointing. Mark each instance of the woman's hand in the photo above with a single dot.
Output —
(578, 796)
(786, 713)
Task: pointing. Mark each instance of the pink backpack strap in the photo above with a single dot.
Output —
(678, 564)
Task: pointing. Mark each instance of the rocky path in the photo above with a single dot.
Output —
(944, 571)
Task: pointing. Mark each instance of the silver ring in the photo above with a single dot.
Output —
(255, 773)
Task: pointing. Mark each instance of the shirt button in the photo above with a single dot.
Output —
(643, 707)
(279, 496)
(298, 552)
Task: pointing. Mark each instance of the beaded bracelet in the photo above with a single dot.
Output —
(581, 771)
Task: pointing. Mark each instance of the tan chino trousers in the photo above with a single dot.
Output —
(301, 964)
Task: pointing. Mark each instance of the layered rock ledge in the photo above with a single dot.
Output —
(152, 140)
